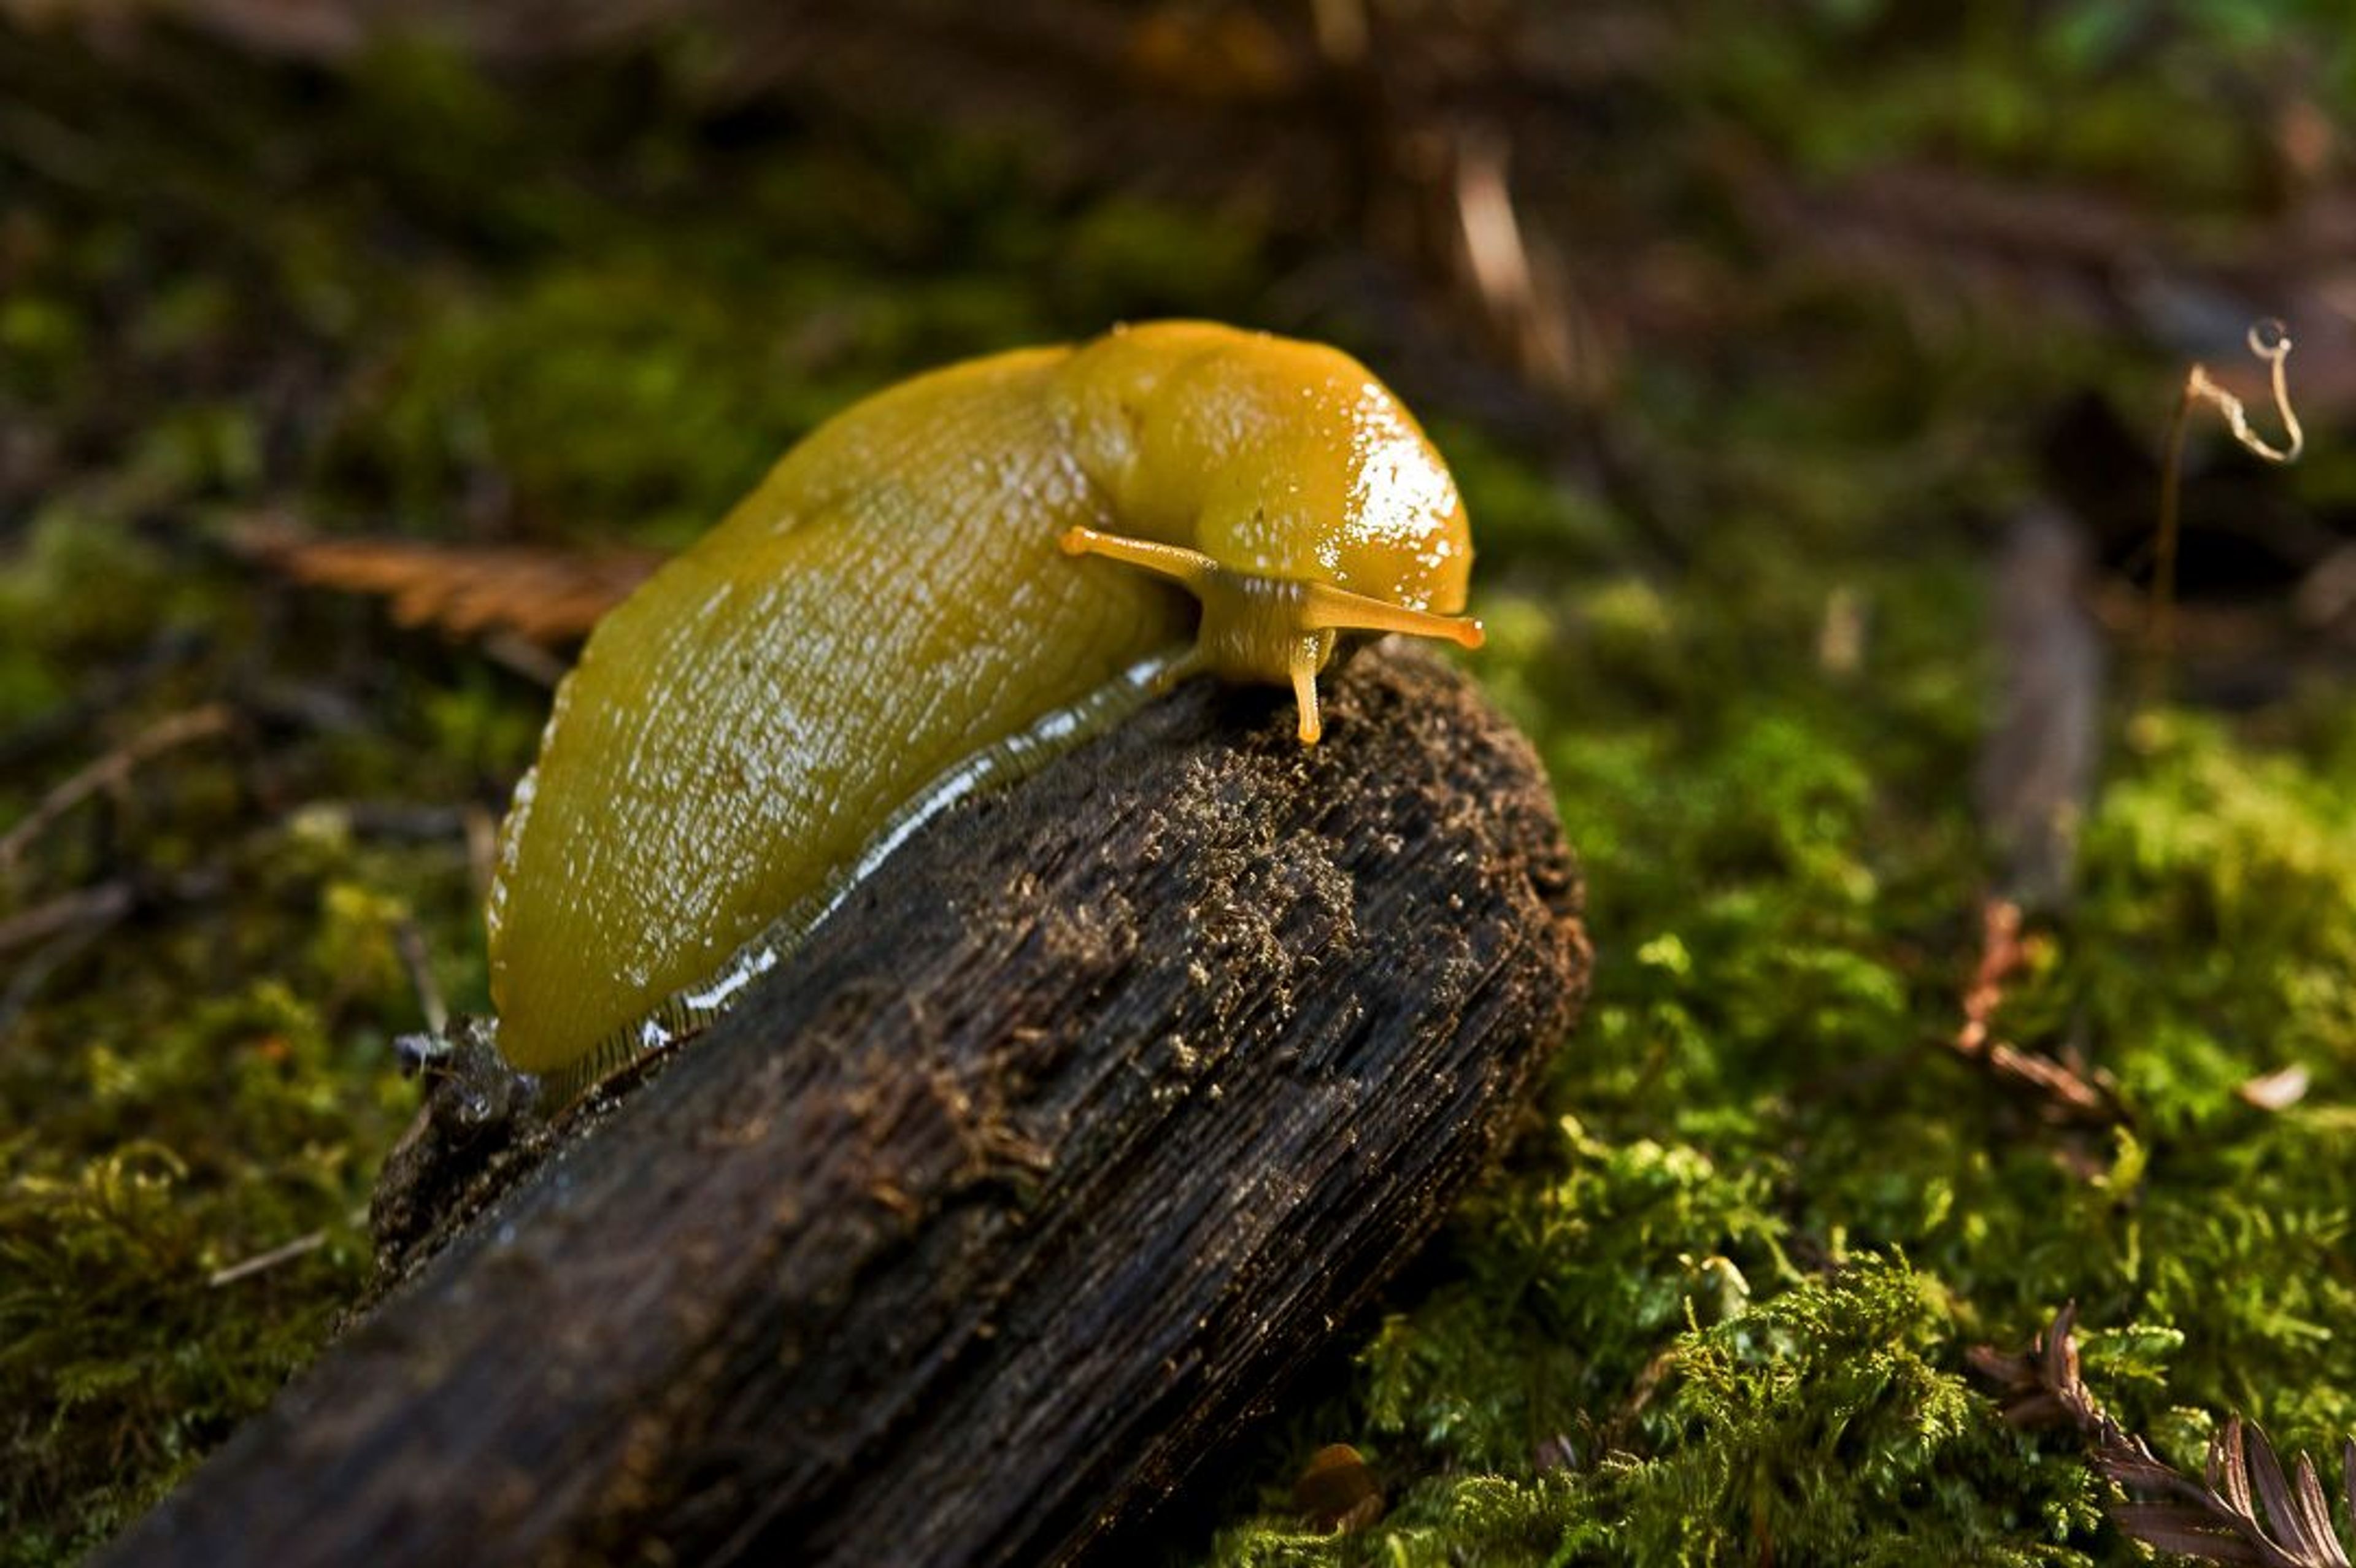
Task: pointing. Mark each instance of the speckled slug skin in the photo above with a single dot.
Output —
(893, 600)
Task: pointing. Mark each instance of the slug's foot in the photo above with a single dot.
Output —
(1184, 668)
(1273, 630)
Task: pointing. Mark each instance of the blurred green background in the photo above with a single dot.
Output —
(1750, 330)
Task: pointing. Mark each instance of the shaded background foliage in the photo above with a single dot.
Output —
(1748, 330)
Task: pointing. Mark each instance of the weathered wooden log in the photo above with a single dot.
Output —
(1016, 1190)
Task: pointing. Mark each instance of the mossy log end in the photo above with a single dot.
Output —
(1018, 1189)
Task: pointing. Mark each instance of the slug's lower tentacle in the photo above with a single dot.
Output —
(1305, 661)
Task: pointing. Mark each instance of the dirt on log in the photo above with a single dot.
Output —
(1014, 1193)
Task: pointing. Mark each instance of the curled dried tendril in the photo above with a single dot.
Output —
(2270, 341)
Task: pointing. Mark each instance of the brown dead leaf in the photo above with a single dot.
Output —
(548, 596)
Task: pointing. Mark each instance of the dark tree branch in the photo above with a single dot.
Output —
(1013, 1195)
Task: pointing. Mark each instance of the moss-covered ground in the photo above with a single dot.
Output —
(1715, 1307)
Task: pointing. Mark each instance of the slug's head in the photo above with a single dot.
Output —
(1280, 483)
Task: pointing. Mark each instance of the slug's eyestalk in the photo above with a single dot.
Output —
(1270, 629)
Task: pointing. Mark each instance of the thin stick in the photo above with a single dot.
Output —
(84, 906)
(410, 942)
(112, 770)
(2065, 1094)
(261, 1262)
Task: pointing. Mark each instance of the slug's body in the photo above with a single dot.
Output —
(901, 594)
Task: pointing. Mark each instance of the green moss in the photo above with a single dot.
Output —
(1570, 1287)
(1715, 1307)
(2091, 92)
(1823, 1423)
(1818, 1426)
(83, 585)
(122, 1358)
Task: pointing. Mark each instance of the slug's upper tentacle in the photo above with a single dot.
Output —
(1326, 608)
(1270, 629)
(1191, 568)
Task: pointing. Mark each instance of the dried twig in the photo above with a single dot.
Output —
(262, 1262)
(525, 657)
(112, 770)
(59, 931)
(410, 942)
(1520, 292)
(93, 906)
(2245, 1509)
(2065, 1094)
(44, 962)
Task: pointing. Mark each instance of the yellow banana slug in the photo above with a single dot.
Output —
(911, 589)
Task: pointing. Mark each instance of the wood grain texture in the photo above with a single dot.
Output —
(1020, 1189)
